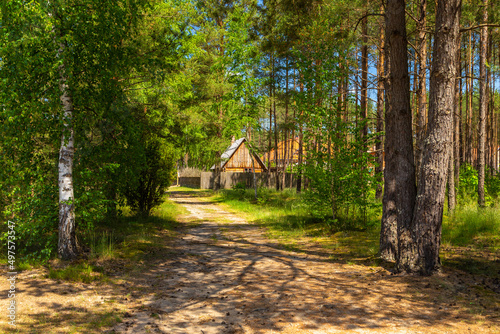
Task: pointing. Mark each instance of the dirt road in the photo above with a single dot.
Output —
(226, 277)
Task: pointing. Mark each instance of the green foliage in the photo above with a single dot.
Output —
(492, 184)
(468, 182)
(42, 41)
(33, 208)
(337, 165)
(467, 190)
(148, 188)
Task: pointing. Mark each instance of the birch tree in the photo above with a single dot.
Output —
(60, 64)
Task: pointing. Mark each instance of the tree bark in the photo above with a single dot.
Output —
(388, 228)
(67, 245)
(468, 124)
(457, 119)
(399, 183)
(483, 107)
(428, 216)
(379, 147)
(422, 82)
(276, 157)
(301, 145)
(364, 78)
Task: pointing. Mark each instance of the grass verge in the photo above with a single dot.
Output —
(287, 218)
(471, 240)
(471, 237)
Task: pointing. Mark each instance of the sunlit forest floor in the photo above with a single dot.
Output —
(208, 263)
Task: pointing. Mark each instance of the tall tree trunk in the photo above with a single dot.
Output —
(457, 119)
(468, 124)
(463, 115)
(451, 182)
(428, 216)
(399, 189)
(364, 78)
(67, 245)
(301, 143)
(494, 122)
(276, 157)
(270, 129)
(285, 130)
(496, 128)
(489, 113)
(422, 83)
(483, 106)
(379, 147)
(388, 228)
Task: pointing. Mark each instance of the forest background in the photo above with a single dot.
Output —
(102, 100)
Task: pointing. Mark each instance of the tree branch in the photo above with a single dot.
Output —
(480, 26)
(365, 16)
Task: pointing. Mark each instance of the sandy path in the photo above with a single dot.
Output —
(228, 278)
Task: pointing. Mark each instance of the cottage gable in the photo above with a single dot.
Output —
(237, 158)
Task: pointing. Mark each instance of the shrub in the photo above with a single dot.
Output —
(146, 191)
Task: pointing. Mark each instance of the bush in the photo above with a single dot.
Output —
(147, 190)
(467, 189)
(493, 185)
(468, 183)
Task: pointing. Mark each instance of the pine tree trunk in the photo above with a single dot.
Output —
(276, 156)
(489, 114)
(270, 134)
(379, 147)
(301, 146)
(468, 132)
(494, 124)
(451, 183)
(364, 78)
(285, 130)
(421, 90)
(483, 107)
(399, 184)
(428, 214)
(457, 120)
(388, 228)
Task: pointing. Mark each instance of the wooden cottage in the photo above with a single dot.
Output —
(238, 159)
(287, 151)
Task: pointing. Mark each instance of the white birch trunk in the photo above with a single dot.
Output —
(67, 246)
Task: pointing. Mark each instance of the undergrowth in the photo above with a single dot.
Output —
(288, 218)
(128, 237)
(472, 226)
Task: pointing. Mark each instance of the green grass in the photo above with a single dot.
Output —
(102, 245)
(82, 272)
(473, 226)
(287, 218)
(128, 238)
(471, 237)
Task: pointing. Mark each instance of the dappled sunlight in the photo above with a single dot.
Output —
(213, 272)
(230, 278)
